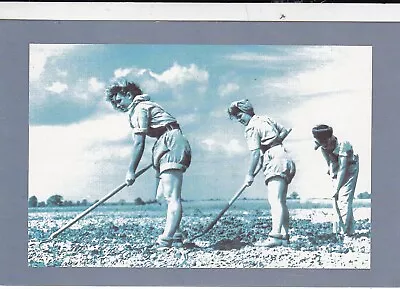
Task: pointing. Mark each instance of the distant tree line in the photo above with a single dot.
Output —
(55, 201)
(296, 196)
(58, 201)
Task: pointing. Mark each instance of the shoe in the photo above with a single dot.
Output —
(285, 241)
(274, 240)
(348, 239)
(163, 243)
(177, 240)
(339, 237)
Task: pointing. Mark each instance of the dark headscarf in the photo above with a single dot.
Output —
(322, 132)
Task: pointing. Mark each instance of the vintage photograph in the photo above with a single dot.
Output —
(199, 156)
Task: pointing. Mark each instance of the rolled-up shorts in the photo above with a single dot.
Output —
(172, 151)
(278, 162)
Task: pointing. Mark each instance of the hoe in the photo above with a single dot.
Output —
(92, 207)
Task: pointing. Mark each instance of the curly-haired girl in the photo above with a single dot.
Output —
(171, 154)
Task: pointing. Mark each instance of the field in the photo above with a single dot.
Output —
(122, 236)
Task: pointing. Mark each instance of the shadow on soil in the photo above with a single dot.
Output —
(232, 233)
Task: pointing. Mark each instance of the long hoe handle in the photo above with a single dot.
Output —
(227, 206)
(216, 219)
(95, 205)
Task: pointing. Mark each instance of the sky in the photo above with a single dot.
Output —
(79, 147)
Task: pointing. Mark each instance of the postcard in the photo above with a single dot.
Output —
(198, 152)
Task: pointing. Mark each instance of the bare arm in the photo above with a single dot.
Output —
(341, 174)
(254, 160)
(327, 159)
(284, 133)
(136, 155)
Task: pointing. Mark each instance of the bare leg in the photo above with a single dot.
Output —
(170, 187)
(277, 191)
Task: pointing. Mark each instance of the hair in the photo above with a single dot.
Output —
(233, 111)
(322, 132)
(132, 88)
(124, 88)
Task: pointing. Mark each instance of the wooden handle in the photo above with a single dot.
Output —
(95, 205)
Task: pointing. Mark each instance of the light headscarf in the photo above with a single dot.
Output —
(243, 105)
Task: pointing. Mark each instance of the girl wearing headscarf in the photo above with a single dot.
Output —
(343, 167)
(264, 138)
(171, 154)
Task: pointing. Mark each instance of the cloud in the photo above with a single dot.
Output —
(285, 54)
(122, 72)
(177, 81)
(83, 90)
(231, 147)
(346, 72)
(93, 155)
(209, 143)
(219, 113)
(76, 137)
(150, 85)
(62, 73)
(342, 68)
(339, 79)
(187, 118)
(317, 53)
(351, 122)
(57, 87)
(40, 53)
(142, 75)
(178, 75)
(226, 89)
(234, 147)
(95, 85)
(174, 77)
(141, 71)
(67, 159)
(253, 57)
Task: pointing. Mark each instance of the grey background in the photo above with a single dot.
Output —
(14, 137)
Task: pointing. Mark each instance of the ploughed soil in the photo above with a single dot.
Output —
(116, 237)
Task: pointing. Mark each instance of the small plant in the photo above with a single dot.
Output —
(33, 202)
(294, 196)
(364, 195)
(138, 202)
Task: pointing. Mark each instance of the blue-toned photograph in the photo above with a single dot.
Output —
(199, 156)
